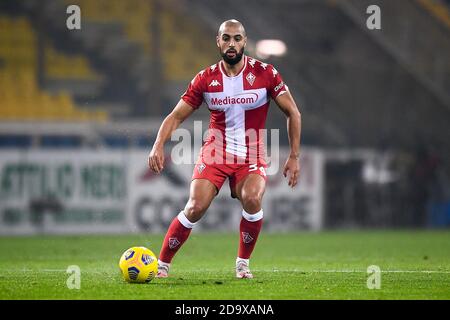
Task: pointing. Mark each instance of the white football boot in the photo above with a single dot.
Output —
(242, 269)
(163, 269)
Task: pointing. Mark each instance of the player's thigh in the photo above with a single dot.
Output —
(251, 186)
(201, 194)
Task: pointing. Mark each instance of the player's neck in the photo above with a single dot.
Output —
(233, 70)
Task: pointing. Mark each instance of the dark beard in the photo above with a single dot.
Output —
(233, 61)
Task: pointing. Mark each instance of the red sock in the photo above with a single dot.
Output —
(249, 230)
(178, 232)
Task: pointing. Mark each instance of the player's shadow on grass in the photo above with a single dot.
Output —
(195, 282)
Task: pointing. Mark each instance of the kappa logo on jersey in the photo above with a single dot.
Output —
(214, 83)
(201, 167)
(250, 78)
(173, 243)
(246, 237)
(213, 67)
(264, 65)
(252, 62)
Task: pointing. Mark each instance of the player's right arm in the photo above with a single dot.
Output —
(189, 102)
(181, 111)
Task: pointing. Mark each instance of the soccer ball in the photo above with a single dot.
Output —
(138, 265)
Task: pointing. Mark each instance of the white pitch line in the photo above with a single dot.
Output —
(356, 271)
(273, 270)
(53, 270)
(415, 271)
(383, 271)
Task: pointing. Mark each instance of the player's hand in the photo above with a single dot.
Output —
(156, 159)
(292, 168)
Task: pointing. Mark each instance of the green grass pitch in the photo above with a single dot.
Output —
(292, 266)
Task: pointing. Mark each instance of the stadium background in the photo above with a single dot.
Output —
(80, 109)
(376, 103)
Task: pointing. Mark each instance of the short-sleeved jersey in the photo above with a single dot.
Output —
(238, 104)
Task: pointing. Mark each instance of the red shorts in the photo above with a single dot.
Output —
(216, 173)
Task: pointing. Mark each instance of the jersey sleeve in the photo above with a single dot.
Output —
(194, 93)
(276, 83)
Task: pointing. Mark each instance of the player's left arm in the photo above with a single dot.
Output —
(286, 103)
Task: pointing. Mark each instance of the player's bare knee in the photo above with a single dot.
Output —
(252, 203)
(194, 210)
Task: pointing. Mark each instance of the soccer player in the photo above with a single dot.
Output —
(237, 91)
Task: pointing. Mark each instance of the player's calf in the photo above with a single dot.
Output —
(178, 232)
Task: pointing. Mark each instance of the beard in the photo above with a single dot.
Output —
(236, 59)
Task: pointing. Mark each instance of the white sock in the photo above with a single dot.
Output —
(185, 221)
(253, 217)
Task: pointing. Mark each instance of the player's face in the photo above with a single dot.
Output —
(231, 43)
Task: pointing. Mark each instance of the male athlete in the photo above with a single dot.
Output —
(237, 91)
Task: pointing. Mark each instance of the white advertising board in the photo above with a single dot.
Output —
(91, 191)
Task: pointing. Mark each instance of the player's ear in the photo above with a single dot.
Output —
(217, 41)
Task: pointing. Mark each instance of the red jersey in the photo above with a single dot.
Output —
(238, 105)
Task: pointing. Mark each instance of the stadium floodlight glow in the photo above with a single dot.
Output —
(270, 47)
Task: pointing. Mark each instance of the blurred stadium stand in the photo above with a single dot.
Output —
(111, 83)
